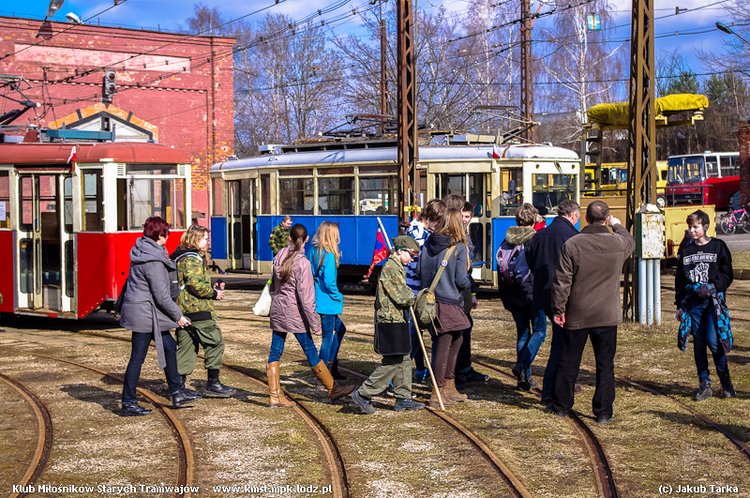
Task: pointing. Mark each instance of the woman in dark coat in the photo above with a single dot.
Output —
(149, 311)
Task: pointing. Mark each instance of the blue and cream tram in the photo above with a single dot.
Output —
(352, 183)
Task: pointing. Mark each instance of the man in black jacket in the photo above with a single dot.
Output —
(542, 255)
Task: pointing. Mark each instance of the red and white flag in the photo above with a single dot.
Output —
(72, 159)
(497, 153)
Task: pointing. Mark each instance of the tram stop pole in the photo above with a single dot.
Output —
(649, 247)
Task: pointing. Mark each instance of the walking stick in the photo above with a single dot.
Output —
(416, 327)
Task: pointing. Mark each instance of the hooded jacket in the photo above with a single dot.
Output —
(455, 278)
(520, 295)
(147, 300)
(196, 298)
(328, 299)
(293, 305)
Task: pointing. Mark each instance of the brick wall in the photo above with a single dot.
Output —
(744, 140)
(181, 85)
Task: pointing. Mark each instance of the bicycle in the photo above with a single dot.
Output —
(730, 221)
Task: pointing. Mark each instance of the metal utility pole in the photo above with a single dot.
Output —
(527, 81)
(642, 132)
(383, 73)
(407, 109)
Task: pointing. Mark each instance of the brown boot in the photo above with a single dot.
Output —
(276, 397)
(335, 390)
(453, 393)
(434, 403)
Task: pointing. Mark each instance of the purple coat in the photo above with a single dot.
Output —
(293, 306)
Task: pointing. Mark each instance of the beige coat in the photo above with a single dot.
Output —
(586, 287)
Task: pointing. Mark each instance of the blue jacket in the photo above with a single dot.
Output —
(328, 299)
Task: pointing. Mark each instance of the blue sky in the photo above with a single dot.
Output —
(687, 32)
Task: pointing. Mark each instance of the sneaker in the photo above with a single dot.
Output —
(516, 371)
(471, 376)
(362, 403)
(407, 404)
(524, 381)
(604, 419)
(390, 390)
(704, 391)
(554, 411)
(133, 409)
(728, 392)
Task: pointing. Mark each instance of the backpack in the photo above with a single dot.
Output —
(424, 306)
(512, 267)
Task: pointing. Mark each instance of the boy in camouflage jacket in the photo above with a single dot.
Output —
(392, 337)
(196, 301)
(280, 235)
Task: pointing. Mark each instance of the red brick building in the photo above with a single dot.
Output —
(173, 89)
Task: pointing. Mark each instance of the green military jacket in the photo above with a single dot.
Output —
(196, 298)
(393, 296)
(279, 239)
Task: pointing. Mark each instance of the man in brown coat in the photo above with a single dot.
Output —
(586, 301)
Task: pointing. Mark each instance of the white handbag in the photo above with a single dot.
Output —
(263, 306)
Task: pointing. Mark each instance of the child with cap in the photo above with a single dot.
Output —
(392, 300)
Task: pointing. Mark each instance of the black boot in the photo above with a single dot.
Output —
(704, 391)
(182, 398)
(335, 371)
(214, 388)
(133, 409)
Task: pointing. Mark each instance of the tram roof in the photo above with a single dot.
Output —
(60, 153)
(390, 154)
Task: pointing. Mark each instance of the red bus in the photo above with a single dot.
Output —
(707, 178)
(70, 213)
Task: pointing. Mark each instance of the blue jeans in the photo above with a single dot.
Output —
(333, 333)
(305, 340)
(138, 350)
(555, 349)
(531, 327)
(707, 337)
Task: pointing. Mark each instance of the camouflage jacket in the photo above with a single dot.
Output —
(393, 296)
(196, 298)
(279, 239)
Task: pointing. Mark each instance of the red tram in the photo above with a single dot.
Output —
(70, 213)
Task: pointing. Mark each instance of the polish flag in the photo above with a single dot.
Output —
(379, 254)
(72, 159)
(496, 152)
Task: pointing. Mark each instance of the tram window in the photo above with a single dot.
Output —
(336, 195)
(451, 184)
(298, 195)
(511, 185)
(68, 203)
(151, 169)
(27, 203)
(378, 195)
(218, 191)
(476, 234)
(265, 194)
(4, 199)
(296, 172)
(476, 192)
(712, 168)
(336, 171)
(730, 166)
(156, 197)
(26, 265)
(69, 273)
(93, 212)
(549, 190)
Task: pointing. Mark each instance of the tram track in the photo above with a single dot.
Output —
(326, 440)
(186, 457)
(44, 431)
(602, 470)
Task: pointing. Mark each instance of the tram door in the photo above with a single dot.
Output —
(234, 222)
(475, 188)
(45, 246)
(248, 210)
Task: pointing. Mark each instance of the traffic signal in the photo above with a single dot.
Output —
(109, 87)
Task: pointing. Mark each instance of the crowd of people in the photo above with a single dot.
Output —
(545, 273)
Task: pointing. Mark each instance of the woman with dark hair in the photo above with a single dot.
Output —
(148, 309)
(293, 311)
(451, 318)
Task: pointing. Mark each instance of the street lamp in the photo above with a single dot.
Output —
(726, 28)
